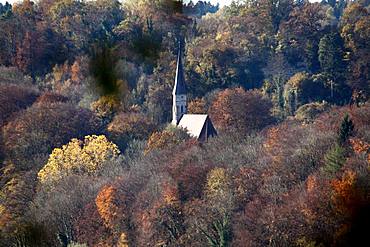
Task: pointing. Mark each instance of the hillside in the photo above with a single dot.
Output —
(88, 154)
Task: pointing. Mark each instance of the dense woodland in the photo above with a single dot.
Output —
(87, 155)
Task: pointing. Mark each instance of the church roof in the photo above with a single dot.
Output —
(197, 125)
(180, 87)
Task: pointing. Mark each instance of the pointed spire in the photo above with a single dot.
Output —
(180, 87)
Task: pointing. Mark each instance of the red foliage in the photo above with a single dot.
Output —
(14, 98)
(332, 119)
(184, 169)
(240, 110)
(246, 182)
(36, 131)
(50, 97)
(90, 228)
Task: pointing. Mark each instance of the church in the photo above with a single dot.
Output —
(198, 126)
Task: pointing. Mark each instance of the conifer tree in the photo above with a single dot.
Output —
(346, 129)
(334, 159)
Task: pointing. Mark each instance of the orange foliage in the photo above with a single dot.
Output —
(105, 204)
(311, 184)
(345, 195)
(109, 204)
(359, 146)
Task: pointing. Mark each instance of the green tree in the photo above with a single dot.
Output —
(331, 55)
(303, 88)
(345, 130)
(334, 159)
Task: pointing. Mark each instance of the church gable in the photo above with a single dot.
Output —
(198, 126)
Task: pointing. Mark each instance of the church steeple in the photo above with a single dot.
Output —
(179, 91)
(179, 87)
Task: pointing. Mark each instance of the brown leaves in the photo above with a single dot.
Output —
(240, 110)
(14, 98)
(167, 138)
(128, 126)
(197, 106)
(90, 227)
(40, 128)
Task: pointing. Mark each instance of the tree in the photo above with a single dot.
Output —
(106, 107)
(51, 98)
(334, 159)
(82, 24)
(12, 75)
(300, 35)
(213, 214)
(331, 55)
(355, 32)
(127, 127)
(59, 205)
(17, 191)
(166, 217)
(14, 98)
(308, 112)
(301, 89)
(78, 157)
(167, 138)
(31, 136)
(277, 73)
(88, 222)
(197, 106)
(240, 110)
(345, 192)
(345, 130)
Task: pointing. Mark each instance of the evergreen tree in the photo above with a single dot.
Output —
(331, 51)
(346, 129)
(334, 159)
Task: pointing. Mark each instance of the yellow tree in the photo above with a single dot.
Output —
(219, 197)
(78, 157)
(106, 106)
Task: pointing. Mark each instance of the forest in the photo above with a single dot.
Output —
(88, 156)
